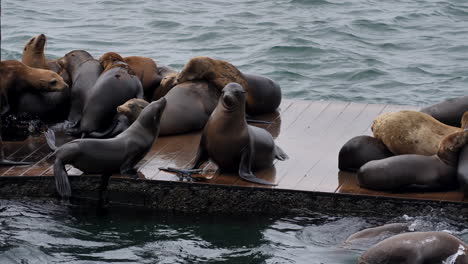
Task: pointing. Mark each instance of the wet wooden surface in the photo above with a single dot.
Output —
(310, 132)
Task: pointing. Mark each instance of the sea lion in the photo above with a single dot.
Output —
(231, 143)
(113, 88)
(84, 71)
(360, 150)
(417, 248)
(262, 94)
(33, 56)
(107, 156)
(167, 83)
(410, 132)
(462, 170)
(449, 111)
(373, 232)
(433, 172)
(144, 68)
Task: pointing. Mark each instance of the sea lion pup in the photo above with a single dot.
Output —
(84, 71)
(126, 115)
(234, 145)
(262, 94)
(449, 111)
(107, 156)
(33, 56)
(144, 68)
(417, 248)
(410, 132)
(360, 150)
(432, 172)
(114, 87)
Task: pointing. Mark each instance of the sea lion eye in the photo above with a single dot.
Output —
(53, 82)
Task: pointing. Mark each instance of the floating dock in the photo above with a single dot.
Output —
(310, 132)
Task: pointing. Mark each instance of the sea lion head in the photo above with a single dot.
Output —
(232, 97)
(450, 147)
(169, 81)
(110, 58)
(150, 117)
(35, 44)
(132, 108)
(195, 69)
(49, 81)
(74, 59)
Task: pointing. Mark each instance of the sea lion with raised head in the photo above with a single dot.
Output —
(417, 248)
(107, 156)
(144, 68)
(360, 150)
(234, 145)
(262, 94)
(449, 111)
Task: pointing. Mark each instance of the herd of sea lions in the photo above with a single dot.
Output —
(118, 106)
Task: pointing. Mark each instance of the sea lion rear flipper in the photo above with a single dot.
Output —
(50, 138)
(61, 180)
(245, 171)
(280, 154)
(5, 162)
(107, 133)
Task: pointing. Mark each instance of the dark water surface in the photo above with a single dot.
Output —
(400, 52)
(43, 231)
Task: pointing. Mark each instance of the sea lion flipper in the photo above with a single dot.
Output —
(50, 139)
(280, 154)
(201, 157)
(245, 171)
(61, 180)
(4, 162)
(128, 167)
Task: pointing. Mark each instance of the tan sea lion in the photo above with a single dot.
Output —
(144, 68)
(167, 83)
(234, 145)
(411, 132)
(417, 248)
(262, 94)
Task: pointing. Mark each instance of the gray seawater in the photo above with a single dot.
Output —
(44, 231)
(400, 52)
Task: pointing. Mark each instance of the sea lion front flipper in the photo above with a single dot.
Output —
(201, 157)
(280, 154)
(61, 180)
(103, 199)
(245, 171)
(128, 167)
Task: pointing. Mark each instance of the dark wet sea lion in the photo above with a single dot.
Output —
(417, 248)
(449, 111)
(144, 68)
(262, 94)
(360, 150)
(84, 71)
(231, 143)
(369, 233)
(113, 88)
(107, 156)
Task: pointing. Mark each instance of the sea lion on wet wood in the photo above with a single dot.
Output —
(417, 248)
(410, 132)
(231, 143)
(144, 68)
(107, 156)
(449, 111)
(262, 94)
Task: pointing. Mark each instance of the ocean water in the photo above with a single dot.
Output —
(410, 52)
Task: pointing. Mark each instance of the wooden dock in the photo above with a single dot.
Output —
(310, 132)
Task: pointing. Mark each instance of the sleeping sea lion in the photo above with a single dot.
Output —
(231, 143)
(107, 156)
(84, 71)
(144, 68)
(410, 132)
(262, 94)
(417, 248)
(449, 111)
(360, 150)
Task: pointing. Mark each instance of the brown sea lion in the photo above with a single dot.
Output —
(167, 83)
(449, 111)
(144, 68)
(417, 248)
(262, 94)
(410, 132)
(433, 172)
(234, 145)
(107, 156)
(33, 56)
(360, 150)
(84, 71)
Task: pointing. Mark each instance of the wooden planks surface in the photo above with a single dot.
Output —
(310, 132)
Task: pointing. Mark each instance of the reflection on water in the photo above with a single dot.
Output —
(44, 231)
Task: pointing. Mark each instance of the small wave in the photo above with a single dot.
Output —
(313, 2)
(366, 74)
(374, 25)
(296, 50)
(164, 23)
